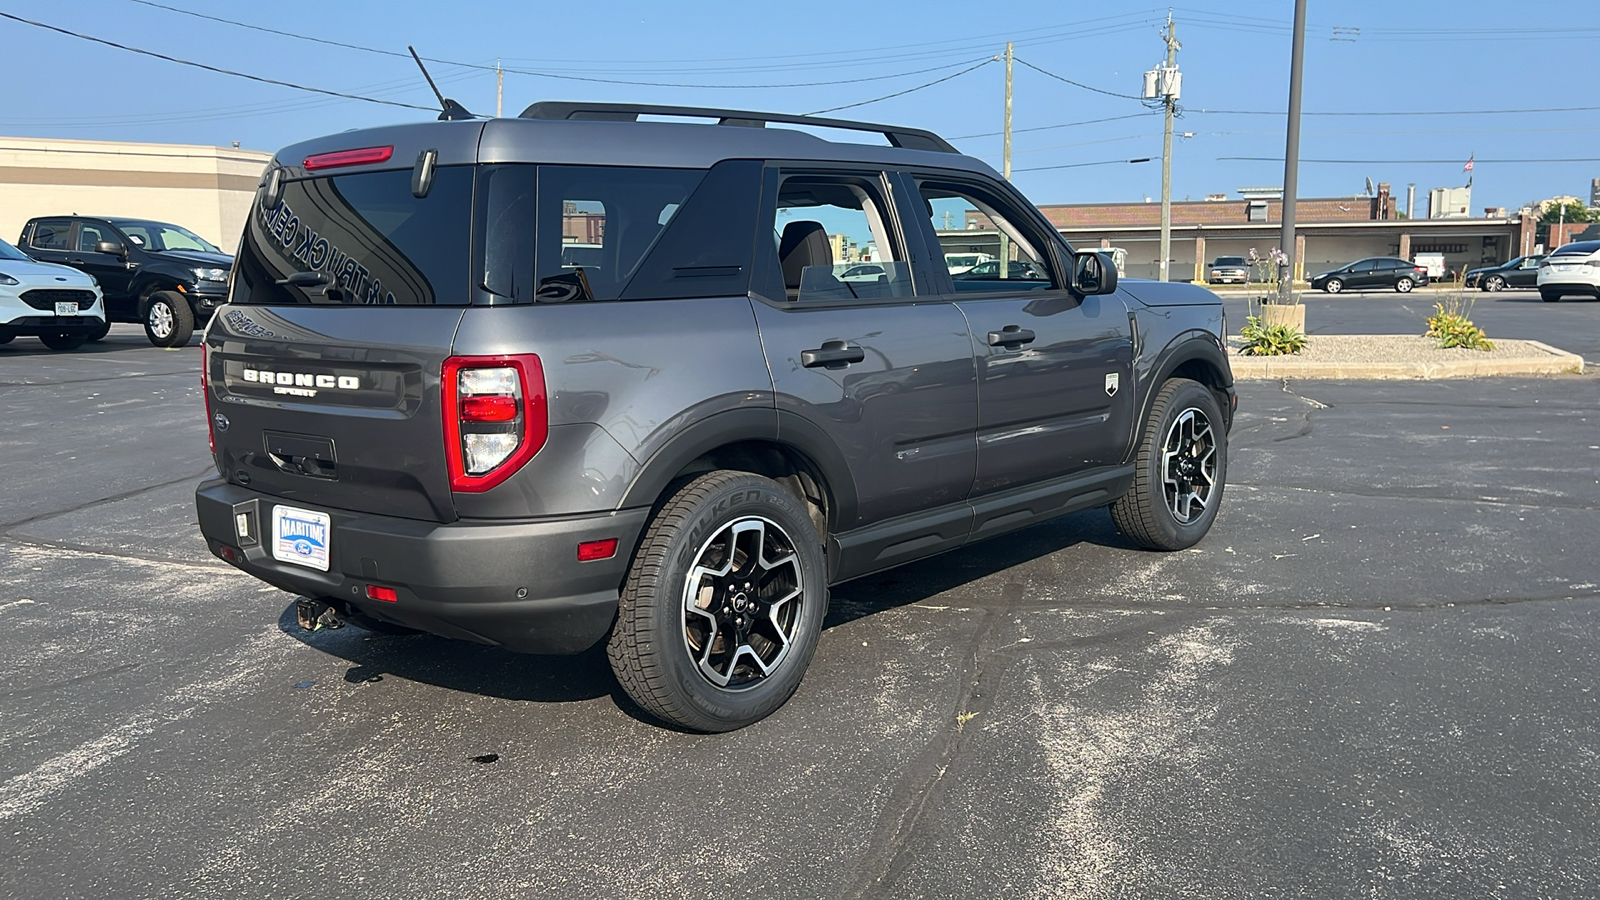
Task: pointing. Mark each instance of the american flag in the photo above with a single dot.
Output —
(1468, 166)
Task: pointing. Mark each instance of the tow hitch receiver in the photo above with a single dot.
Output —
(315, 615)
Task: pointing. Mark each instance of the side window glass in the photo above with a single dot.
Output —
(89, 235)
(1015, 259)
(597, 224)
(52, 236)
(833, 242)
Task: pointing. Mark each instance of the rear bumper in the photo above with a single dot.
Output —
(514, 584)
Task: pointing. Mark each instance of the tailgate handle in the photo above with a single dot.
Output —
(300, 454)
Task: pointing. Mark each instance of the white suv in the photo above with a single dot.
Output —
(1572, 269)
(60, 306)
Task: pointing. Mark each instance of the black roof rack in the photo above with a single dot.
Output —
(908, 138)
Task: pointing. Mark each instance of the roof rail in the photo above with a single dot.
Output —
(908, 138)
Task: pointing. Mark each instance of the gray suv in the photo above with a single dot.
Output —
(574, 377)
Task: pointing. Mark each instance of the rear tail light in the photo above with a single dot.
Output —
(1544, 263)
(495, 417)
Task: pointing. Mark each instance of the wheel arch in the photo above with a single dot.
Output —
(783, 446)
(149, 284)
(1198, 356)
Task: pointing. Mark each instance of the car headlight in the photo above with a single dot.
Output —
(211, 274)
(7, 279)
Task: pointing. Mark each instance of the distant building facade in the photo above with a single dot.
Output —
(206, 189)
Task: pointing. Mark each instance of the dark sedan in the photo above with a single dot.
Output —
(1373, 272)
(1520, 272)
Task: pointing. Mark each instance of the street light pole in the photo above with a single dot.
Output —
(1005, 163)
(1291, 154)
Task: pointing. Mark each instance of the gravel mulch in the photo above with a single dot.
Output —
(1402, 356)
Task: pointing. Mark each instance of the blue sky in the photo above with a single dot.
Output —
(1361, 57)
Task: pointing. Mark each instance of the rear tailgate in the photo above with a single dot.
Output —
(334, 407)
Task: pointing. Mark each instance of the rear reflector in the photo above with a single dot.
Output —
(366, 156)
(387, 595)
(589, 551)
(488, 409)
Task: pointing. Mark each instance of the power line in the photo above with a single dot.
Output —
(1368, 162)
(904, 92)
(1076, 84)
(1103, 162)
(220, 71)
(1473, 112)
(963, 137)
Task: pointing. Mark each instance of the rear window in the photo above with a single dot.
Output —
(1577, 248)
(368, 238)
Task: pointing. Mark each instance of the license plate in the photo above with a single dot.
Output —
(301, 537)
(1563, 268)
(66, 307)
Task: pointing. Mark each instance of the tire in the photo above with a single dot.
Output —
(168, 321)
(1156, 513)
(102, 331)
(1404, 285)
(664, 647)
(62, 341)
(1549, 297)
(1494, 284)
(1333, 286)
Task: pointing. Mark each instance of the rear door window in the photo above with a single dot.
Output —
(361, 239)
(54, 234)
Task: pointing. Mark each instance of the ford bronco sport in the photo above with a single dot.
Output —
(573, 377)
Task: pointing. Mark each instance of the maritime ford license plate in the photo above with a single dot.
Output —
(301, 537)
(66, 307)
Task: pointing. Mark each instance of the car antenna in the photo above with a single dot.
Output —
(452, 111)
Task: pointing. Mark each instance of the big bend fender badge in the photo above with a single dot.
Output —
(1113, 380)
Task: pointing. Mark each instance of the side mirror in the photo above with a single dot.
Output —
(115, 248)
(1092, 273)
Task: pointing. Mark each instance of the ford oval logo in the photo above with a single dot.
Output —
(221, 421)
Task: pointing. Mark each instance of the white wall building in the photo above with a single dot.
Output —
(205, 189)
(1450, 203)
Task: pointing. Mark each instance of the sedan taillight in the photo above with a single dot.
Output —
(495, 417)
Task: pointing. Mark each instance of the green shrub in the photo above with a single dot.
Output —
(1451, 327)
(1270, 340)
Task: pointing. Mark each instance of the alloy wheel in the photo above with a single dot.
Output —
(161, 320)
(742, 603)
(1189, 465)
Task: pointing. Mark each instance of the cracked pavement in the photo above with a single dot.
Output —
(1374, 677)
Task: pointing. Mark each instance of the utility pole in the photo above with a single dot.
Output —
(1167, 84)
(1291, 154)
(1005, 166)
(499, 89)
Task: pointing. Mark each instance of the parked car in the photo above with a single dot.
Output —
(1374, 272)
(991, 270)
(677, 453)
(1570, 269)
(956, 263)
(1228, 270)
(1520, 272)
(58, 305)
(164, 276)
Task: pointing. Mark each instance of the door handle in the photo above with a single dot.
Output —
(76, 262)
(832, 355)
(1011, 335)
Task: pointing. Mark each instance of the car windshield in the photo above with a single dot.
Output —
(1229, 261)
(160, 237)
(9, 252)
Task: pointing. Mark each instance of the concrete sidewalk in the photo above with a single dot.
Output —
(1397, 356)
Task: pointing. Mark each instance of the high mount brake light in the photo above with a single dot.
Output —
(495, 417)
(365, 156)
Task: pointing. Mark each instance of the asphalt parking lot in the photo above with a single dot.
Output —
(1375, 677)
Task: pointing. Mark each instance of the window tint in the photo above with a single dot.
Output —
(90, 234)
(1019, 261)
(369, 238)
(52, 235)
(831, 240)
(597, 223)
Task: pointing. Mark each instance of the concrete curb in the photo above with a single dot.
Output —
(1542, 360)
